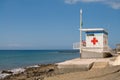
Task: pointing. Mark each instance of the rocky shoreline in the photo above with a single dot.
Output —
(101, 69)
(50, 72)
(38, 72)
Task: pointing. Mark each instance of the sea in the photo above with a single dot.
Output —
(10, 59)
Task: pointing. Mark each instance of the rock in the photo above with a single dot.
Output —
(18, 70)
(3, 75)
(117, 61)
(33, 73)
(7, 72)
(98, 65)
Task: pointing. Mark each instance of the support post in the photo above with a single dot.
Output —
(81, 31)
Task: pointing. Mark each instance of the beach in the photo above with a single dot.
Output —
(69, 69)
(50, 72)
(59, 40)
(36, 72)
(108, 73)
(18, 61)
(98, 71)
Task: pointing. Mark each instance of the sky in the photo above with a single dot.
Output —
(54, 24)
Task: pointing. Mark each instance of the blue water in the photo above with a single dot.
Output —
(10, 59)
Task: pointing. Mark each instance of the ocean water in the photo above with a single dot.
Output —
(10, 59)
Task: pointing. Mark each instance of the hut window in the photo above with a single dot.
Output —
(90, 34)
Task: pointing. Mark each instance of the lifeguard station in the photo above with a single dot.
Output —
(95, 44)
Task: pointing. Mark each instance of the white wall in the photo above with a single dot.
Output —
(98, 37)
(100, 46)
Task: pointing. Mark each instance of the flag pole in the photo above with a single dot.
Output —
(80, 32)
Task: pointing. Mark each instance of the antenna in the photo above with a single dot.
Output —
(80, 31)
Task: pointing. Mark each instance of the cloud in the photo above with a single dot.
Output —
(85, 1)
(115, 4)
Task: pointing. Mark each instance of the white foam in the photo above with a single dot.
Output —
(3, 75)
(33, 66)
(15, 71)
(18, 70)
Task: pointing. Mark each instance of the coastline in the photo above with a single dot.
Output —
(10, 59)
(108, 73)
(29, 73)
(101, 69)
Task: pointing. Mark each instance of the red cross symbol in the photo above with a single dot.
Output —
(94, 41)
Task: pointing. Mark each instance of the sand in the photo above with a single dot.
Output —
(48, 72)
(102, 69)
(117, 61)
(108, 73)
(111, 72)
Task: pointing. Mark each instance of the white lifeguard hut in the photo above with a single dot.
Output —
(95, 44)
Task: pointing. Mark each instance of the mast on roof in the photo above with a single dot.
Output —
(81, 30)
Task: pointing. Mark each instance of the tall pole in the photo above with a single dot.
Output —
(80, 31)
